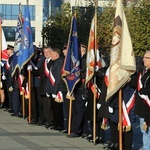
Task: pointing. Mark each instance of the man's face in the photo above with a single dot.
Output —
(47, 53)
(54, 55)
(146, 60)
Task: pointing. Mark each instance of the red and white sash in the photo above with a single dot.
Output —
(46, 69)
(51, 78)
(20, 81)
(125, 116)
(7, 65)
(144, 97)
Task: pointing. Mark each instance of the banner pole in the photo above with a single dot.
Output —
(29, 86)
(0, 51)
(23, 105)
(94, 99)
(120, 119)
(70, 114)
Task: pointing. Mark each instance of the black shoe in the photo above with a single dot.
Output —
(84, 136)
(63, 131)
(73, 135)
(59, 128)
(2, 105)
(33, 121)
(113, 146)
(47, 125)
(6, 109)
(16, 115)
(99, 141)
(106, 144)
(90, 139)
(52, 127)
(40, 123)
(10, 111)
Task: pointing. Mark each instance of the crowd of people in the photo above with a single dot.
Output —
(50, 107)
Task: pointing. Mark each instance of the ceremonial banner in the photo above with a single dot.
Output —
(122, 60)
(19, 32)
(90, 61)
(93, 61)
(4, 48)
(71, 68)
(26, 48)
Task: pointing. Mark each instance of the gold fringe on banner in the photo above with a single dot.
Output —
(58, 100)
(126, 128)
(144, 126)
(104, 126)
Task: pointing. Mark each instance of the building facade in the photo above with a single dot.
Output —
(40, 11)
(9, 10)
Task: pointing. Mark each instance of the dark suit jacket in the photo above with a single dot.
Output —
(43, 77)
(56, 70)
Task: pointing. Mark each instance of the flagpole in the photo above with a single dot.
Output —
(70, 99)
(29, 85)
(94, 99)
(70, 113)
(23, 100)
(23, 105)
(120, 119)
(0, 50)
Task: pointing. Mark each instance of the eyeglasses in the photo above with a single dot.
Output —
(146, 57)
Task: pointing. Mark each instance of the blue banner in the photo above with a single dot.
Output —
(72, 61)
(26, 48)
(18, 36)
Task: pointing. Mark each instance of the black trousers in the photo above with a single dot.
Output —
(126, 136)
(79, 109)
(58, 114)
(37, 105)
(48, 109)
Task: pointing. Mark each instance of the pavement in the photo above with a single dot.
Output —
(17, 134)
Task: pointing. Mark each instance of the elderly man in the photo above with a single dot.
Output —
(142, 105)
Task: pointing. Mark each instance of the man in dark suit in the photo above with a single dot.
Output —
(79, 103)
(37, 104)
(43, 72)
(7, 72)
(142, 103)
(53, 88)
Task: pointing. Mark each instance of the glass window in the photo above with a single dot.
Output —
(11, 31)
(15, 11)
(11, 12)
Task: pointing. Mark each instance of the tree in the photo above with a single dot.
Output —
(139, 26)
(138, 20)
(57, 28)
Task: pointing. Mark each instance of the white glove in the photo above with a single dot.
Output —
(110, 109)
(83, 97)
(10, 89)
(3, 77)
(143, 96)
(35, 68)
(98, 106)
(47, 95)
(86, 104)
(53, 95)
(1, 64)
(29, 67)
